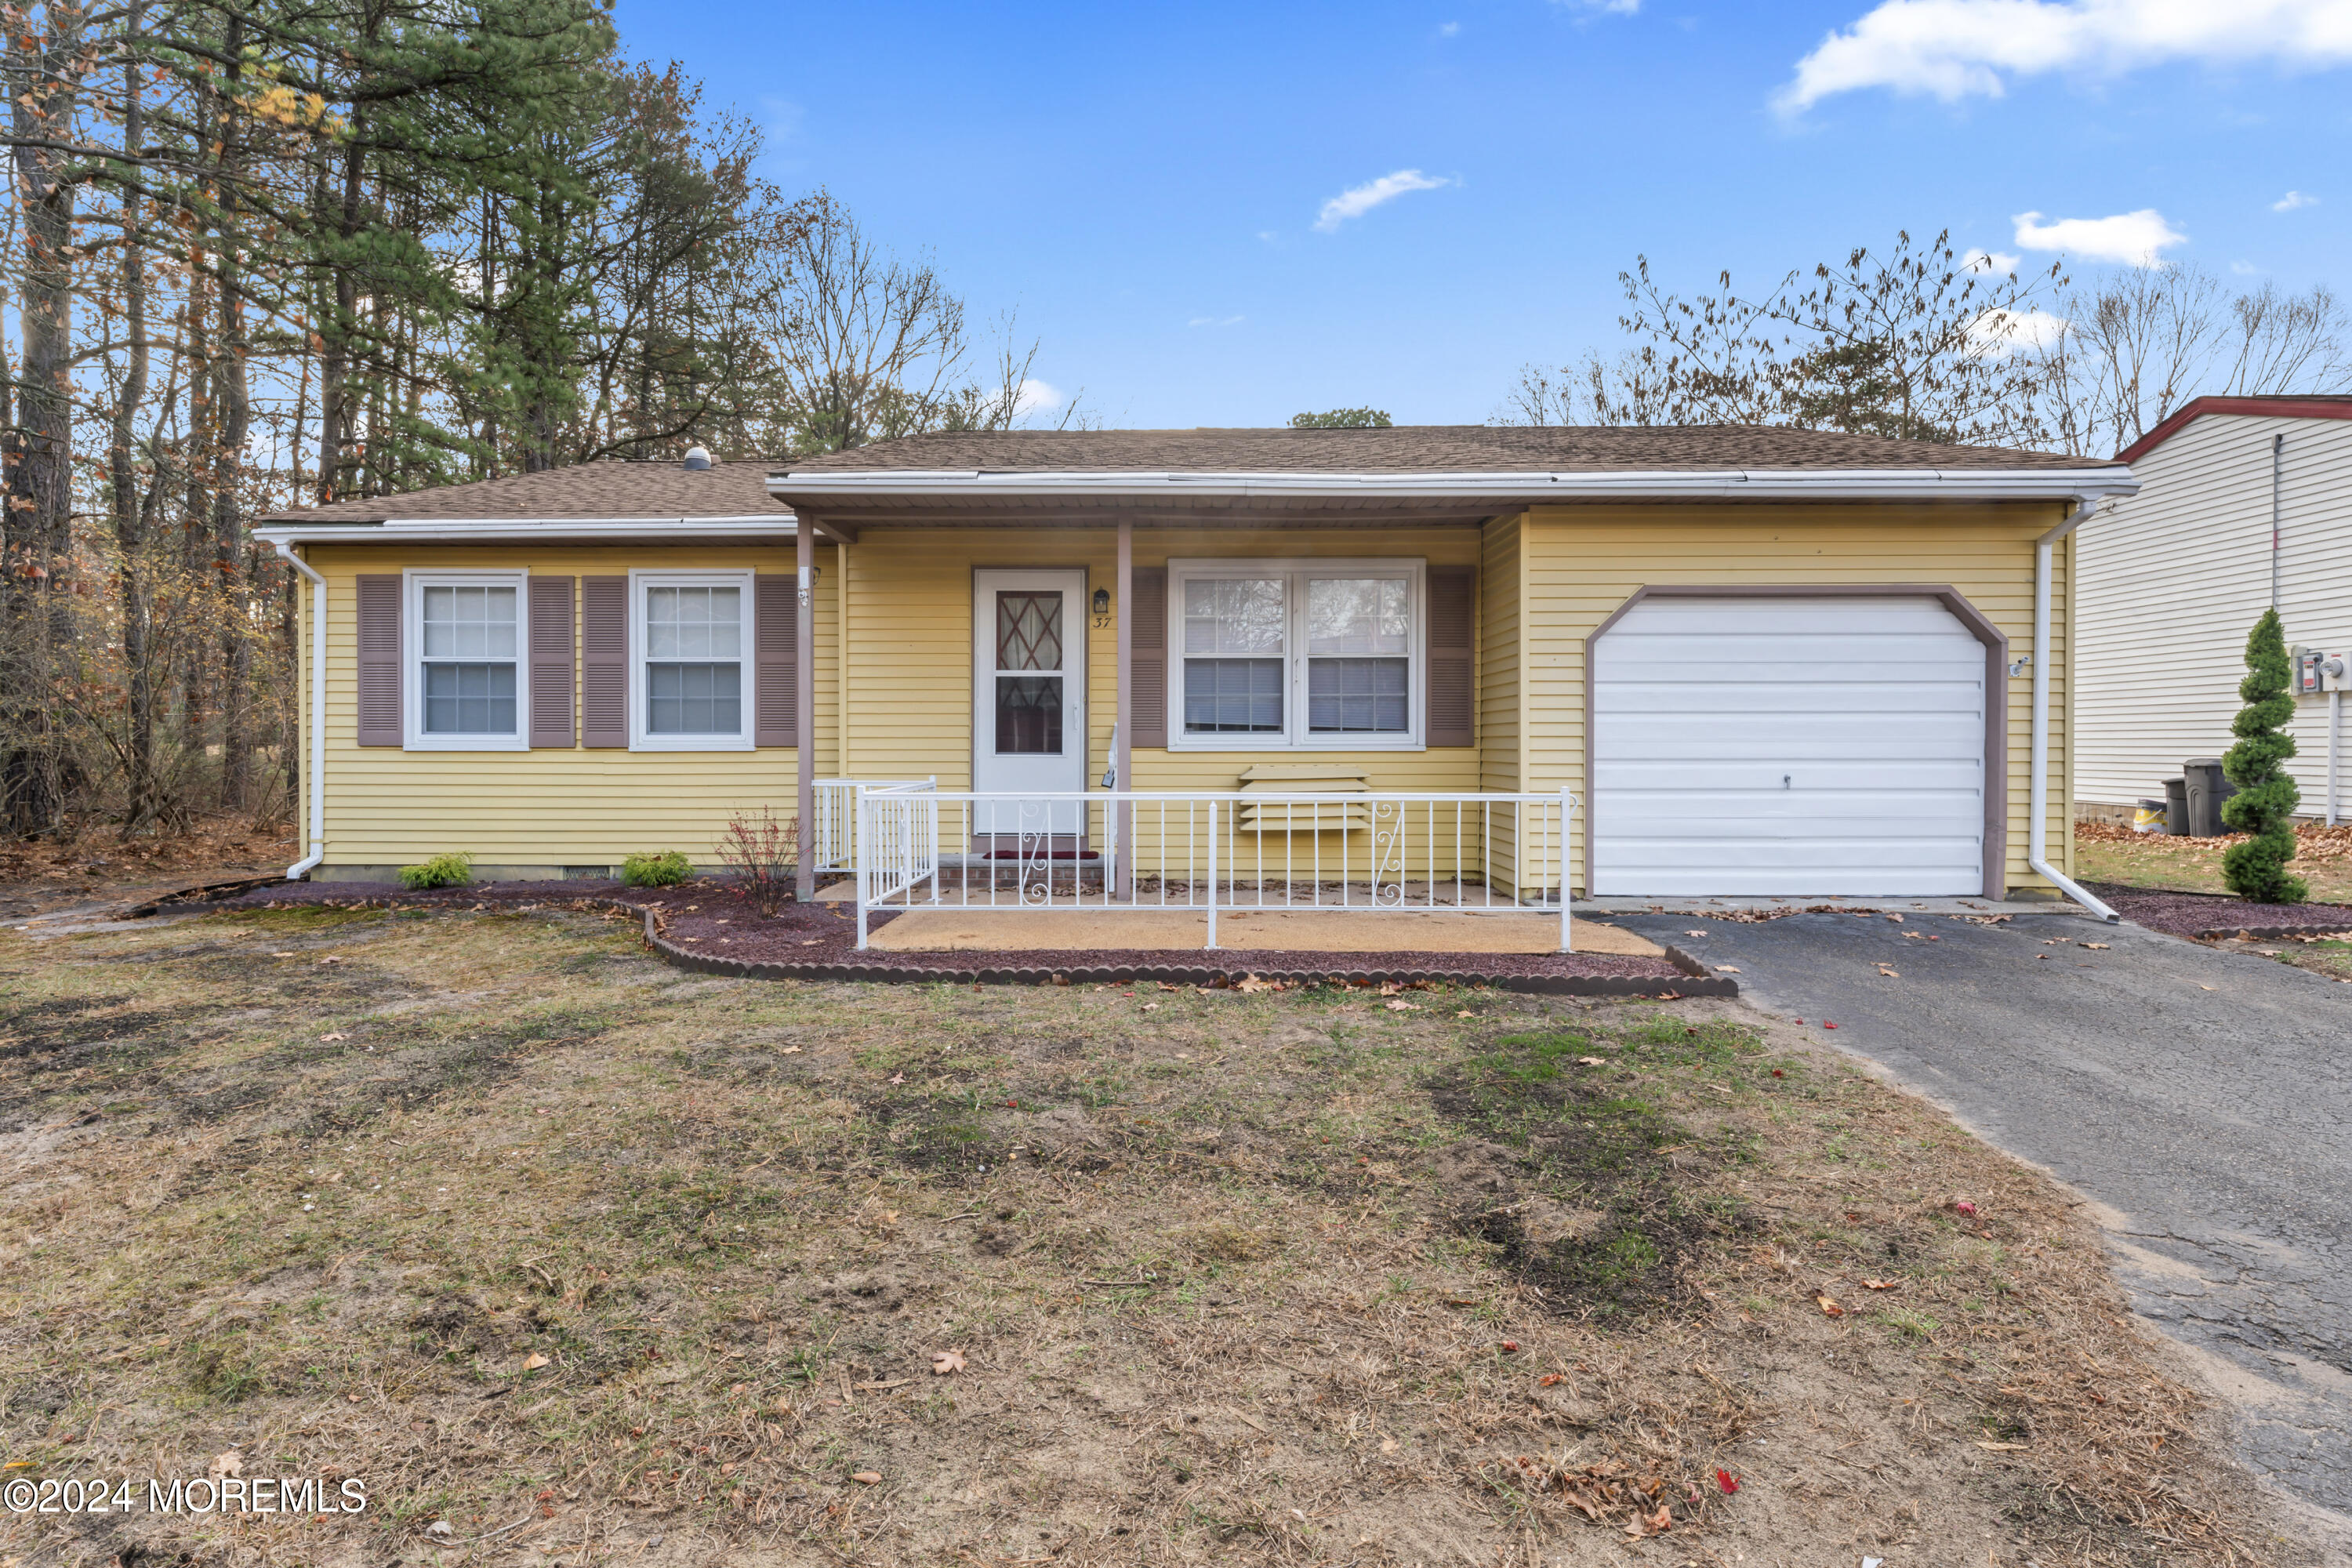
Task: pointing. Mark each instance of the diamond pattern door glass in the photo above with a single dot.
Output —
(1029, 705)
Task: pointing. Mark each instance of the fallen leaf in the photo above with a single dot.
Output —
(1151, 1007)
(1830, 1309)
(889, 1216)
(281, 955)
(533, 1362)
(2002, 1448)
(1723, 1479)
(790, 1051)
(945, 1363)
(1511, 1346)
(2204, 988)
(813, 941)
(1402, 1006)
(1726, 969)
(1251, 983)
(1962, 1205)
(1882, 1284)
(1389, 1444)
(331, 959)
(1896, 919)
(1465, 1013)
(1590, 1062)
(1551, 1379)
(898, 1077)
(1827, 1024)
(2095, 944)
(1890, 974)
(867, 1477)
(1694, 933)
(324, 1038)
(230, 1463)
(1914, 936)
(1169, 985)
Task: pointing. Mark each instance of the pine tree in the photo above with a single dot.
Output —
(2266, 798)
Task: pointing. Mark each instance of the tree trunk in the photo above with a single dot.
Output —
(128, 515)
(234, 390)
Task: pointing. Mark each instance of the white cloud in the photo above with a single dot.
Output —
(1449, 30)
(2000, 332)
(1360, 199)
(1993, 261)
(1036, 396)
(2246, 269)
(1613, 7)
(1958, 48)
(2137, 239)
(2292, 200)
(1215, 321)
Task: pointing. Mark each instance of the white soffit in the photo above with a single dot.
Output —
(1748, 484)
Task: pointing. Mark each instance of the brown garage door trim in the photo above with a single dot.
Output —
(1996, 646)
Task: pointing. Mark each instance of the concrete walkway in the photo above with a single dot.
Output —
(1295, 930)
(2202, 1099)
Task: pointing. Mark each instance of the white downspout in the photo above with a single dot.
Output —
(2037, 833)
(318, 770)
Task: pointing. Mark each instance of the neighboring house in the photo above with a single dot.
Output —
(2242, 499)
(1799, 659)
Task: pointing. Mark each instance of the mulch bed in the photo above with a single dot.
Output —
(2218, 915)
(708, 926)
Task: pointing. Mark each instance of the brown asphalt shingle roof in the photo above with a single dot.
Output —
(664, 490)
(648, 490)
(1409, 449)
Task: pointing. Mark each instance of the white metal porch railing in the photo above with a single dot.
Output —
(836, 817)
(1126, 851)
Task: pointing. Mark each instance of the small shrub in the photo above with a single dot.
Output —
(2266, 798)
(666, 869)
(452, 869)
(760, 850)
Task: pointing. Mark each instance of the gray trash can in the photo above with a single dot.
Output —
(2207, 790)
(2176, 806)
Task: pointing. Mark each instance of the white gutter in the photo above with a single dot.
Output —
(1751, 484)
(318, 779)
(492, 530)
(2037, 833)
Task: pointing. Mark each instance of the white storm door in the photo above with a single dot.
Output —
(1029, 698)
(1789, 746)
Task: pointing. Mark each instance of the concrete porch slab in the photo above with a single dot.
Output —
(1291, 930)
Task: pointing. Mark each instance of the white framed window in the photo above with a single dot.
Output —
(690, 664)
(1294, 655)
(464, 687)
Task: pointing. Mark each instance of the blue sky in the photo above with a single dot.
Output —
(1144, 183)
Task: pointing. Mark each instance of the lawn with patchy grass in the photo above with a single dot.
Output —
(2105, 852)
(566, 1255)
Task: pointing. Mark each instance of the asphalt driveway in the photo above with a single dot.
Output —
(2203, 1097)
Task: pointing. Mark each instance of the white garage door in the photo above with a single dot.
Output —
(1789, 746)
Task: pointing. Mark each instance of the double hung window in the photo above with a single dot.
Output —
(1311, 655)
(465, 690)
(690, 636)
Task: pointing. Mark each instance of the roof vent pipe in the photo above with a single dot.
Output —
(696, 457)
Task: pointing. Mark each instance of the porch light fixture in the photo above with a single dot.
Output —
(1102, 601)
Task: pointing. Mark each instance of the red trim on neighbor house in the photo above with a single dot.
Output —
(2276, 407)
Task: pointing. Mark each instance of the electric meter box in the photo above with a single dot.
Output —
(2321, 669)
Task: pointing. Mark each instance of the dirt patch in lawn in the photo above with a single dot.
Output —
(564, 1254)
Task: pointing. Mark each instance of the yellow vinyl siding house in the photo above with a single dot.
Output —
(1803, 658)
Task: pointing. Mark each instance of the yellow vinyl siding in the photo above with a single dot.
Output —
(911, 639)
(1584, 563)
(551, 805)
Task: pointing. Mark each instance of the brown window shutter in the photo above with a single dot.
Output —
(1450, 690)
(775, 639)
(551, 661)
(379, 642)
(1147, 705)
(603, 661)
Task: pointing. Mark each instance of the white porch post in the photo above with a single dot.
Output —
(805, 705)
(1123, 724)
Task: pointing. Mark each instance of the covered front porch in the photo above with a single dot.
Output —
(1315, 868)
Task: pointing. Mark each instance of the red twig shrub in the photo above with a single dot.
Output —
(760, 851)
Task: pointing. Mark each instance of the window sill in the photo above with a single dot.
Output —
(694, 744)
(465, 744)
(1283, 743)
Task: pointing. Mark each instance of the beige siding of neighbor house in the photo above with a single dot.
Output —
(1583, 564)
(549, 806)
(2175, 577)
